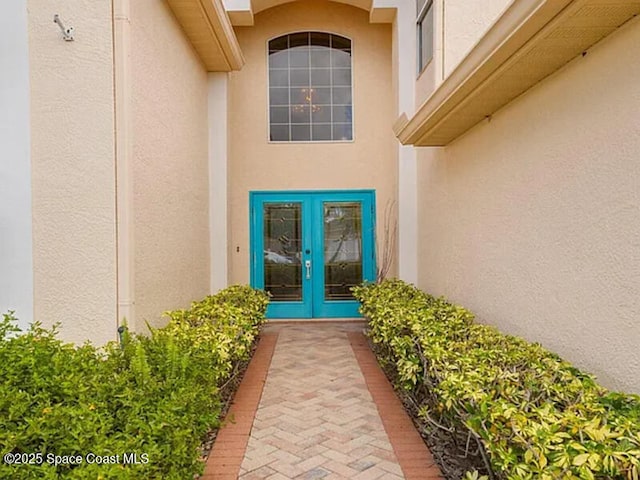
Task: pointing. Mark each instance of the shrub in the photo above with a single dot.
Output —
(156, 395)
(536, 415)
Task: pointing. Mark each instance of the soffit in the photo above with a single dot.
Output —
(209, 30)
(242, 15)
(529, 42)
(259, 5)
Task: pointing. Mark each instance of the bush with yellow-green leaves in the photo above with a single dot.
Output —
(534, 414)
(139, 409)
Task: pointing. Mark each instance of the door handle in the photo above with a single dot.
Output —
(307, 264)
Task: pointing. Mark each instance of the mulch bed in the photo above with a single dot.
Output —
(452, 447)
(227, 391)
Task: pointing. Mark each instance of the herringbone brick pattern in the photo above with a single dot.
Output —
(414, 457)
(231, 443)
(316, 418)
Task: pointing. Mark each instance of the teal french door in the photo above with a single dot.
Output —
(309, 248)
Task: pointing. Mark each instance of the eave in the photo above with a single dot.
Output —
(209, 30)
(530, 41)
(242, 12)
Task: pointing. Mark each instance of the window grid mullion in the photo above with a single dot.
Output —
(422, 15)
(331, 85)
(328, 120)
(309, 86)
(289, 86)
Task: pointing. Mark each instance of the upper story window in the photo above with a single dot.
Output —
(425, 33)
(310, 95)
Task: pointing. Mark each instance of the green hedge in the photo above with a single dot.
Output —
(157, 395)
(536, 415)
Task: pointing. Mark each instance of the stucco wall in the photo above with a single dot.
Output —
(532, 219)
(72, 156)
(170, 172)
(465, 22)
(368, 162)
(426, 83)
(458, 26)
(16, 258)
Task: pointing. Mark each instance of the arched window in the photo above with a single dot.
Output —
(310, 88)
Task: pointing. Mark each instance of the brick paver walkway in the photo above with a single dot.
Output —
(317, 418)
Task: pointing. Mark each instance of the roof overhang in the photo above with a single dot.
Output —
(241, 12)
(530, 41)
(209, 30)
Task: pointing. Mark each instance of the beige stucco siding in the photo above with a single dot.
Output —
(531, 219)
(465, 22)
(368, 162)
(170, 164)
(458, 26)
(73, 175)
(426, 83)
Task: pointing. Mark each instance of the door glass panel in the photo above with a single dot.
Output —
(342, 249)
(282, 251)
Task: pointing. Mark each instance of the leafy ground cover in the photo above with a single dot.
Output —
(509, 408)
(91, 409)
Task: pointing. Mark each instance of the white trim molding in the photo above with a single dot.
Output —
(404, 45)
(218, 153)
(16, 239)
(123, 149)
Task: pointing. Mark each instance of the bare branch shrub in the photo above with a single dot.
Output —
(385, 253)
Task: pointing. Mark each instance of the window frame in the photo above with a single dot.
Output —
(268, 91)
(421, 15)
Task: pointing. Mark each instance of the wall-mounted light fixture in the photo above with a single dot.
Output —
(67, 32)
